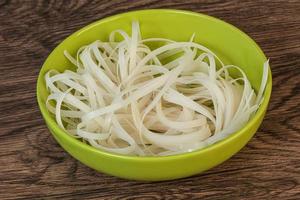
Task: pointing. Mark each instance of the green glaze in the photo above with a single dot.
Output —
(229, 43)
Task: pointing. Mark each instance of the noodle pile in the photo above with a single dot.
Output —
(129, 99)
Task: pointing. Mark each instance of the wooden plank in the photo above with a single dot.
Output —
(33, 166)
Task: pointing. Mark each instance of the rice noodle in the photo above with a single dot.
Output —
(127, 98)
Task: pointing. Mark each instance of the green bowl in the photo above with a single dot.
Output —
(229, 43)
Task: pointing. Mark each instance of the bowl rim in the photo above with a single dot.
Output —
(50, 121)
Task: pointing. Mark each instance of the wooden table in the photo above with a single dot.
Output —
(34, 166)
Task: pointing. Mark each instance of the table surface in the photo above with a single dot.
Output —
(34, 166)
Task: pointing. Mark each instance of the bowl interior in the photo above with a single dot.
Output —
(229, 43)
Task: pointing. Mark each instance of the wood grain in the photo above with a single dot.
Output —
(33, 166)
